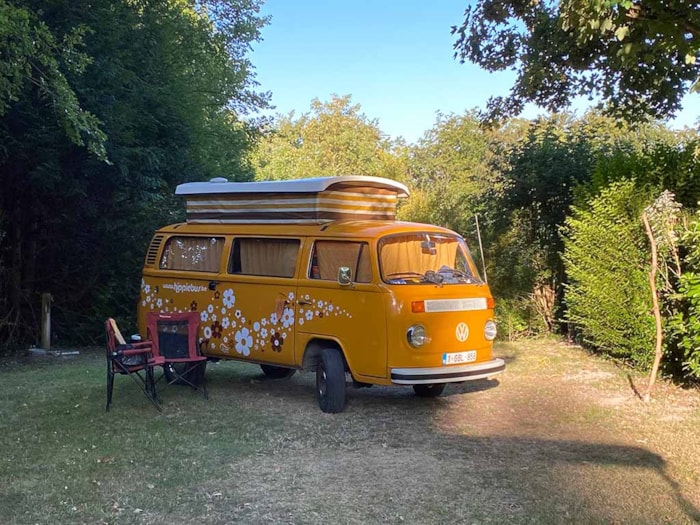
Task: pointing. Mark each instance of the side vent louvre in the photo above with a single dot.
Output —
(152, 254)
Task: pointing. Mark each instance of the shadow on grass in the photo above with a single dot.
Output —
(260, 451)
(530, 476)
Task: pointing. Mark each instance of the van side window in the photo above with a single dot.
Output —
(328, 256)
(260, 256)
(192, 254)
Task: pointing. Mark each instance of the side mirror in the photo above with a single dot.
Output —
(344, 276)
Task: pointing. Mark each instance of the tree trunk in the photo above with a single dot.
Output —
(657, 312)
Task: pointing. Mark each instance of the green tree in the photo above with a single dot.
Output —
(169, 84)
(638, 57)
(33, 55)
(449, 173)
(334, 138)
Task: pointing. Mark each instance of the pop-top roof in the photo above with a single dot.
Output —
(299, 201)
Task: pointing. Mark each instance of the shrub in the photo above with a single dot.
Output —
(684, 326)
(518, 318)
(606, 258)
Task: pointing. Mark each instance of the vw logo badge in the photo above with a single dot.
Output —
(462, 332)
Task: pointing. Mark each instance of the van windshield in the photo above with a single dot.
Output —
(426, 258)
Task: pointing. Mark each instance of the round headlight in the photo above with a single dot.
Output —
(416, 335)
(490, 330)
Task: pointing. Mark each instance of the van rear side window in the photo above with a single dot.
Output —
(263, 256)
(192, 254)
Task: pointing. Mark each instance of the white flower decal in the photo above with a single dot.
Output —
(263, 322)
(238, 314)
(288, 317)
(309, 315)
(256, 326)
(207, 332)
(273, 318)
(229, 298)
(210, 308)
(291, 296)
(147, 289)
(263, 333)
(301, 321)
(159, 302)
(225, 322)
(243, 341)
(204, 316)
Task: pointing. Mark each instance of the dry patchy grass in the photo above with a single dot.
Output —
(561, 437)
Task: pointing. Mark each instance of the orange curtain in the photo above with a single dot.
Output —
(331, 255)
(405, 254)
(272, 257)
(194, 254)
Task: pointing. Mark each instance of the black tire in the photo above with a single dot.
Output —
(196, 377)
(330, 381)
(430, 390)
(277, 372)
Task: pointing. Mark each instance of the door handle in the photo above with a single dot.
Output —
(303, 302)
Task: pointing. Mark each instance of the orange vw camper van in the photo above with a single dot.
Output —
(317, 275)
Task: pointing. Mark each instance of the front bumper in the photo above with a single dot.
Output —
(446, 374)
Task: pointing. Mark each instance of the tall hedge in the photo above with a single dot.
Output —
(684, 326)
(606, 258)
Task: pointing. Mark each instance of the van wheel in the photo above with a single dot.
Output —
(330, 381)
(277, 372)
(430, 390)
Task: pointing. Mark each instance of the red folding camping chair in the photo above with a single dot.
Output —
(135, 360)
(174, 337)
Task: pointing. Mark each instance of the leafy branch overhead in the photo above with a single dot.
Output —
(639, 58)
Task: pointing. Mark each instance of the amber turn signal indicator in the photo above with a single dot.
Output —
(418, 307)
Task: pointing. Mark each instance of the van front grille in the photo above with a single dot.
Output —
(152, 254)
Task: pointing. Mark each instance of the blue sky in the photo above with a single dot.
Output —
(394, 58)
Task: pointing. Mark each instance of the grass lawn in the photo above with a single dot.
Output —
(561, 437)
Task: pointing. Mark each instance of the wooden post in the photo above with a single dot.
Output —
(46, 321)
